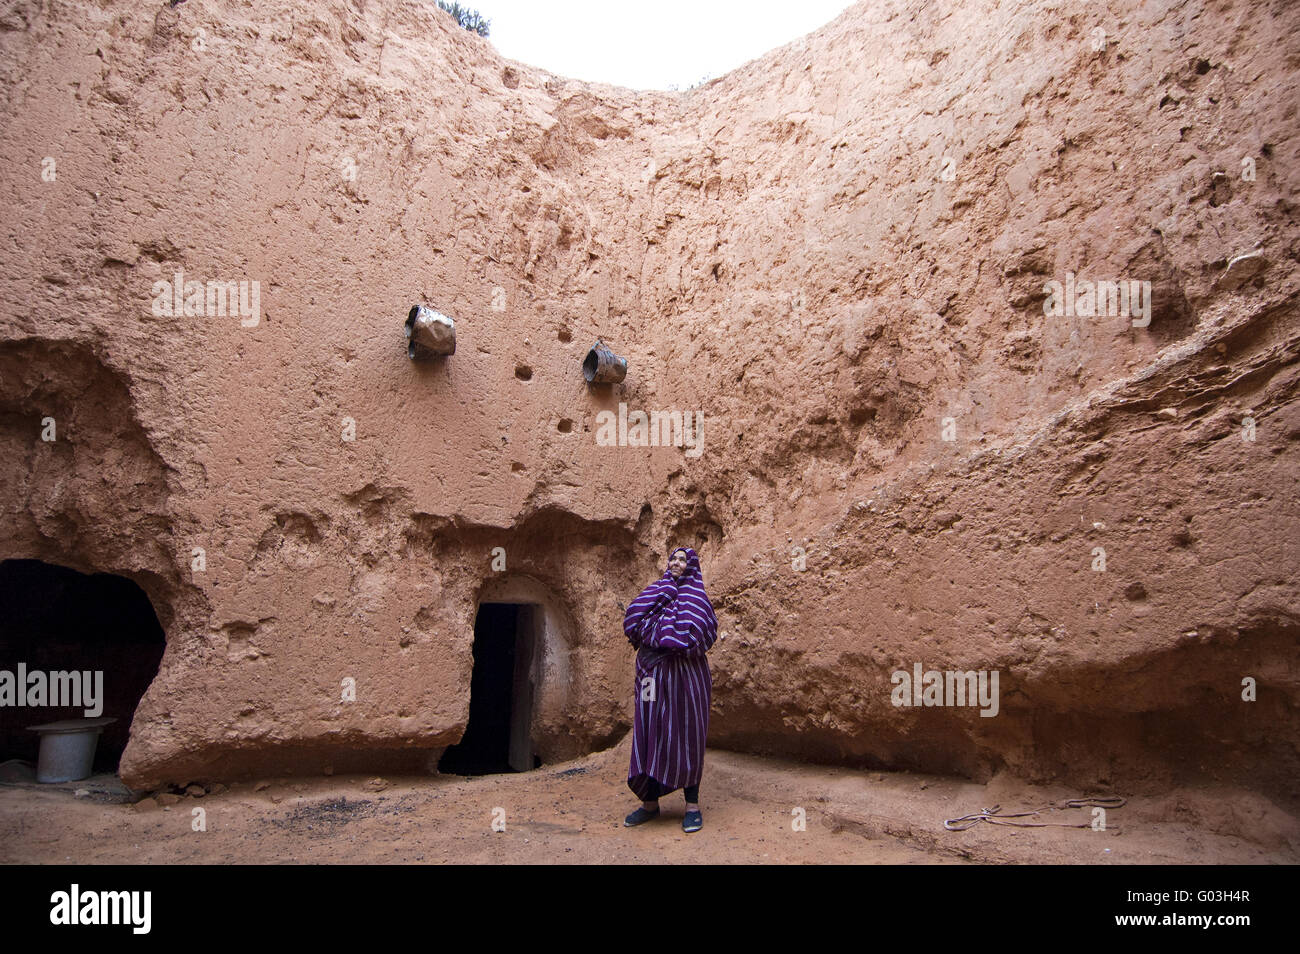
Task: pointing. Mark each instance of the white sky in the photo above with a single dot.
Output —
(648, 45)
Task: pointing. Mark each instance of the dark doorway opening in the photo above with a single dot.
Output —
(497, 738)
(53, 619)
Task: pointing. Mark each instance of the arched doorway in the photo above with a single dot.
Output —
(503, 687)
(57, 620)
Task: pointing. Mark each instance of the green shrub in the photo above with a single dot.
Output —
(471, 20)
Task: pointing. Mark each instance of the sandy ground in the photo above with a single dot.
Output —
(573, 813)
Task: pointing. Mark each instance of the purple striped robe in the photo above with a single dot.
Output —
(672, 625)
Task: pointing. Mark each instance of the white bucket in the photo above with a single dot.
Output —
(68, 749)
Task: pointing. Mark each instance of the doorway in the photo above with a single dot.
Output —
(502, 690)
(59, 620)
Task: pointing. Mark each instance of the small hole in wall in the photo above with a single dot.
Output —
(565, 425)
(516, 467)
(565, 336)
(523, 372)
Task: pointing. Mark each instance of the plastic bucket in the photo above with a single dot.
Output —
(68, 749)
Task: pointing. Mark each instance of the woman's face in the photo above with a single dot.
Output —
(677, 564)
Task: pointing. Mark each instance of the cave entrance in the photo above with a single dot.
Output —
(501, 697)
(56, 620)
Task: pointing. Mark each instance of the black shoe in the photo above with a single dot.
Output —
(639, 816)
(692, 821)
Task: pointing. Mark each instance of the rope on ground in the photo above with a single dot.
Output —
(995, 815)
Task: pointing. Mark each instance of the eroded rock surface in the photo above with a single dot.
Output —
(839, 254)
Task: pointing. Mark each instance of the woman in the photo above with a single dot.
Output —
(672, 626)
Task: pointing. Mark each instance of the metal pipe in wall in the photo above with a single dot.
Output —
(603, 366)
(429, 333)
